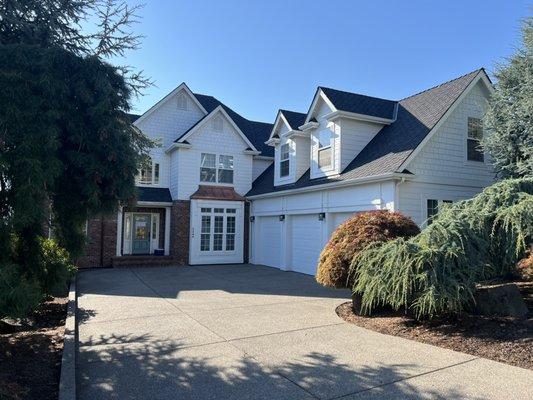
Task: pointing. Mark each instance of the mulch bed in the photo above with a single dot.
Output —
(507, 340)
(30, 357)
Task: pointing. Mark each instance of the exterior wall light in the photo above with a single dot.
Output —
(282, 217)
(321, 216)
(252, 218)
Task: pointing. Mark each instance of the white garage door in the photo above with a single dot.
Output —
(339, 218)
(269, 241)
(306, 243)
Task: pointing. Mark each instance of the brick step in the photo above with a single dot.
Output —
(142, 261)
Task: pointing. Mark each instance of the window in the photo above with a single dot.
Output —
(218, 124)
(475, 133)
(205, 237)
(208, 168)
(149, 173)
(182, 102)
(225, 169)
(432, 208)
(284, 160)
(230, 233)
(211, 171)
(324, 148)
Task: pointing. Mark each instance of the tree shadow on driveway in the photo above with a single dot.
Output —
(137, 367)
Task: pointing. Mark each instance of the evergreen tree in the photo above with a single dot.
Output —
(510, 114)
(67, 147)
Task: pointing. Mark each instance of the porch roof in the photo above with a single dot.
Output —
(206, 192)
(154, 194)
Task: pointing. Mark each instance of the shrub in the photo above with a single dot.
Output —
(57, 268)
(353, 236)
(436, 272)
(18, 294)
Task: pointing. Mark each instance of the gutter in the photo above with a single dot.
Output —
(333, 185)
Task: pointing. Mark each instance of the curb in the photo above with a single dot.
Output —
(67, 380)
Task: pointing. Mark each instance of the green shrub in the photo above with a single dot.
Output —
(436, 272)
(22, 290)
(353, 236)
(57, 269)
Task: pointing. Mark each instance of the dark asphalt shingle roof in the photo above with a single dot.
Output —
(256, 132)
(133, 117)
(295, 119)
(155, 194)
(391, 146)
(360, 104)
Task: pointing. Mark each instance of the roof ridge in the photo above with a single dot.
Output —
(443, 83)
(228, 107)
(357, 94)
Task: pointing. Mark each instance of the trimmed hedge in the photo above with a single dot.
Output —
(436, 272)
(353, 236)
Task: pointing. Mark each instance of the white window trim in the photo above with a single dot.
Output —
(473, 163)
(216, 183)
(440, 202)
(284, 177)
(151, 182)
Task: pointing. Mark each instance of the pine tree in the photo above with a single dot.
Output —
(510, 115)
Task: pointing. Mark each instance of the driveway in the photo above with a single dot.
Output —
(252, 332)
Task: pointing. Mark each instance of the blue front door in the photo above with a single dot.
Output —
(141, 233)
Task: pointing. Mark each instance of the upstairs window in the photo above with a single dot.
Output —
(324, 148)
(182, 101)
(149, 173)
(216, 169)
(284, 160)
(474, 152)
(218, 124)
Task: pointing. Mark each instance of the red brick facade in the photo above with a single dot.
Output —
(101, 242)
(179, 231)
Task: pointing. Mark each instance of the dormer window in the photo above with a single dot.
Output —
(324, 148)
(149, 173)
(182, 102)
(218, 124)
(284, 160)
(474, 152)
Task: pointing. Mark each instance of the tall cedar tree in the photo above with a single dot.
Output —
(66, 143)
(510, 114)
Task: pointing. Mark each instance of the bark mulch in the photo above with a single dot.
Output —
(507, 340)
(30, 357)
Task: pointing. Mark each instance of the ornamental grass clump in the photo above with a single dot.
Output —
(436, 272)
(353, 236)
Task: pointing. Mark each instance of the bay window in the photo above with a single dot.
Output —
(216, 169)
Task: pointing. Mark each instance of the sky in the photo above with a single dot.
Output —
(259, 56)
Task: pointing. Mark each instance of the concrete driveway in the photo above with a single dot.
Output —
(250, 332)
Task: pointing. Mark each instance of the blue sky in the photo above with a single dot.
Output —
(258, 56)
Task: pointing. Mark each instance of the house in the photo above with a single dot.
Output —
(223, 189)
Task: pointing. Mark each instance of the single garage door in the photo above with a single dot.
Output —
(339, 218)
(269, 241)
(306, 240)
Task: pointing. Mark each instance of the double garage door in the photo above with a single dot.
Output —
(304, 241)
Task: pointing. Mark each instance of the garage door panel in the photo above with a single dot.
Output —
(270, 241)
(306, 243)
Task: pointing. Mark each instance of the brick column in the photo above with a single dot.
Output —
(179, 231)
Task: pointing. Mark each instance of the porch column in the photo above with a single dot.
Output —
(167, 230)
(119, 231)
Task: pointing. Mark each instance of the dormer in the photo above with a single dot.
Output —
(340, 124)
(291, 147)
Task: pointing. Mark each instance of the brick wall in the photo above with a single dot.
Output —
(101, 242)
(179, 231)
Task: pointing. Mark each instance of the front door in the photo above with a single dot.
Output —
(217, 232)
(141, 233)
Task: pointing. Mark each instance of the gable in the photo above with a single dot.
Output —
(217, 127)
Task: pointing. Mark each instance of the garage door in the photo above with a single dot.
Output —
(269, 241)
(306, 243)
